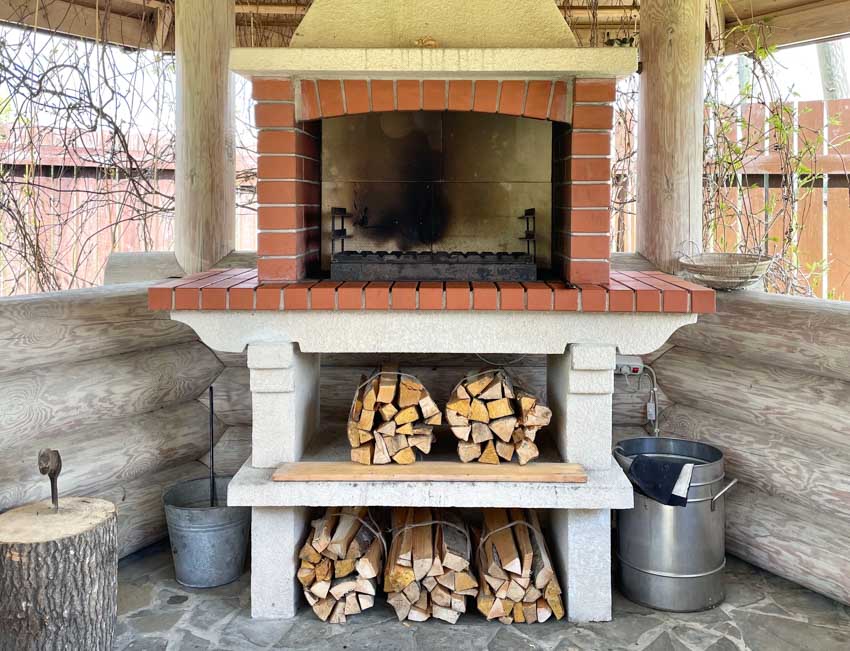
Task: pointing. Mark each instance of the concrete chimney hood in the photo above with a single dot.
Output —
(437, 39)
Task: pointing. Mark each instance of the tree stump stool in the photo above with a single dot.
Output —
(59, 575)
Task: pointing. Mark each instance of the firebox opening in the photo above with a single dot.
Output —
(437, 182)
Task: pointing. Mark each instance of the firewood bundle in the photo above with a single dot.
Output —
(518, 582)
(493, 419)
(391, 416)
(340, 562)
(427, 573)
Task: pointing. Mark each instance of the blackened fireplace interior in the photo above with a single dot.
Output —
(436, 196)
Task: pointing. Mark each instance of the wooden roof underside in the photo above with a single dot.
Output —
(269, 23)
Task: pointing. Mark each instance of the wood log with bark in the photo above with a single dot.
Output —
(391, 418)
(428, 571)
(516, 575)
(493, 419)
(59, 575)
(340, 562)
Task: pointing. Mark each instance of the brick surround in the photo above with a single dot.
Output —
(289, 159)
(581, 184)
(288, 184)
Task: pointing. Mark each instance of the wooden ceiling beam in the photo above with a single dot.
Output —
(60, 16)
(820, 20)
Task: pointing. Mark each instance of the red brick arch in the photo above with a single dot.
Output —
(327, 98)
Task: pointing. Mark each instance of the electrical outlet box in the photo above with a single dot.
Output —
(629, 365)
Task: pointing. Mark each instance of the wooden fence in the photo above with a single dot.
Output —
(818, 223)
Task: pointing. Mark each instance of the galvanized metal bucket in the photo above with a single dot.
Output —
(672, 557)
(209, 543)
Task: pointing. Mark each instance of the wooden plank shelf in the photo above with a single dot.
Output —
(431, 471)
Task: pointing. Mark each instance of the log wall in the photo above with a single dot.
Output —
(767, 380)
(112, 386)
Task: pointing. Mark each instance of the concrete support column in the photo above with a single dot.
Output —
(285, 394)
(276, 536)
(205, 192)
(670, 129)
(580, 391)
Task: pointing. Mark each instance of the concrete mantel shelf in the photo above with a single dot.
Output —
(434, 63)
(434, 332)
(604, 489)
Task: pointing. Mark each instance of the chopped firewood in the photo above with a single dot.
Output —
(405, 457)
(481, 433)
(526, 451)
(323, 608)
(543, 611)
(323, 529)
(477, 383)
(347, 527)
(400, 604)
(445, 613)
(455, 419)
(352, 605)
(388, 411)
(462, 433)
(503, 427)
(505, 450)
(488, 454)
(468, 451)
(480, 413)
(428, 407)
(343, 567)
(338, 613)
(461, 407)
(421, 442)
(423, 585)
(389, 408)
(381, 453)
(410, 391)
(343, 581)
(363, 454)
(387, 383)
(499, 408)
(518, 583)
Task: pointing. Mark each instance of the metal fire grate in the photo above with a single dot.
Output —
(431, 265)
(427, 265)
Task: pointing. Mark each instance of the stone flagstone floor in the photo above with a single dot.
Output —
(762, 612)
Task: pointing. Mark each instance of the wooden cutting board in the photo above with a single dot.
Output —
(557, 473)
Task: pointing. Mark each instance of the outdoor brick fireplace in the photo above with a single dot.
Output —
(391, 126)
(297, 189)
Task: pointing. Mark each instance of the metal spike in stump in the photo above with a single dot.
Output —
(50, 464)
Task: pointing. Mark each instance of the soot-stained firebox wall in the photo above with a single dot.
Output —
(437, 181)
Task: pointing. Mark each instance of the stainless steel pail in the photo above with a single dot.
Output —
(672, 557)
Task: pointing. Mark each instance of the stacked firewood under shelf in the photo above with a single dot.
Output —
(429, 565)
(494, 420)
(340, 562)
(428, 573)
(391, 416)
(516, 577)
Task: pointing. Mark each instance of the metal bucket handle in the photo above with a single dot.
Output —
(722, 490)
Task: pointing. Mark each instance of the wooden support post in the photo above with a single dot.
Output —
(670, 128)
(204, 225)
